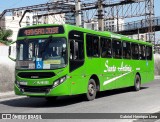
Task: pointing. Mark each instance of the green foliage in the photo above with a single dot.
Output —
(4, 35)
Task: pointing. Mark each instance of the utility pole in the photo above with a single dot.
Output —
(78, 13)
(100, 16)
(117, 21)
(149, 6)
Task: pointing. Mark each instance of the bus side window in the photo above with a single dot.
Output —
(135, 50)
(142, 52)
(92, 46)
(149, 53)
(117, 49)
(76, 50)
(126, 50)
(106, 48)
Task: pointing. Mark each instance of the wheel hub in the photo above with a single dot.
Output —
(91, 89)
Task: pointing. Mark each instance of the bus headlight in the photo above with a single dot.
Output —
(59, 81)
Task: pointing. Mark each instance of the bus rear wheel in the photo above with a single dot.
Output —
(92, 90)
(137, 83)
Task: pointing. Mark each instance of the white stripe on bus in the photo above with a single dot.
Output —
(115, 78)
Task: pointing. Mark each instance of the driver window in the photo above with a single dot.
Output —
(76, 40)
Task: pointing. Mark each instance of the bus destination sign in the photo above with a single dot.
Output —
(41, 31)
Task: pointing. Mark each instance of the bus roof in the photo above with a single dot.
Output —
(89, 31)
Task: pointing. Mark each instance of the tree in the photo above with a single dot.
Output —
(4, 35)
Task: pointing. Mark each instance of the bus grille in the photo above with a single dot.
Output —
(36, 75)
(36, 89)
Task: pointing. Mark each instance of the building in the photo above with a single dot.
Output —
(92, 25)
(111, 25)
(12, 21)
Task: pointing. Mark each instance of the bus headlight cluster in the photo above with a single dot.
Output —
(18, 83)
(59, 81)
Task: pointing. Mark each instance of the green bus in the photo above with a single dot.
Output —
(58, 60)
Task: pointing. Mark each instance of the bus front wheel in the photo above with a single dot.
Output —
(137, 83)
(92, 90)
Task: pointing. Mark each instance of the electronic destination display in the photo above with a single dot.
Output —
(45, 30)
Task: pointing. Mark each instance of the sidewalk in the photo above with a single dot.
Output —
(7, 94)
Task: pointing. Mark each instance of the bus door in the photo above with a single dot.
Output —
(76, 62)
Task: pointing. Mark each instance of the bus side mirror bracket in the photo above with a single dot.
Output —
(9, 54)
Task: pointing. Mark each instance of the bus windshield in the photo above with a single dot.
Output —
(49, 53)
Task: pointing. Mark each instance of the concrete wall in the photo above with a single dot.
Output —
(6, 70)
(157, 64)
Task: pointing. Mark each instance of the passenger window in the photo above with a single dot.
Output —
(76, 50)
(106, 48)
(149, 53)
(117, 49)
(142, 52)
(92, 46)
(135, 50)
(126, 50)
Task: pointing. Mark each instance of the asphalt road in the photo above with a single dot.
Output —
(147, 100)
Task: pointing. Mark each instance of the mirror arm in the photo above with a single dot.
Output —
(9, 53)
(12, 58)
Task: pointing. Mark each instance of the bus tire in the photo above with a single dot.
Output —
(51, 99)
(92, 90)
(137, 83)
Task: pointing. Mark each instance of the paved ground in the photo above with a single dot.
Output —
(147, 100)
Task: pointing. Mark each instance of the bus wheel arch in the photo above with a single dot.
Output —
(137, 82)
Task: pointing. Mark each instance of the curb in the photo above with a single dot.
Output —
(7, 94)
(157, 77)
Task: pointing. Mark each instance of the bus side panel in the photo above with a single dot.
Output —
(78, 81)
(107, 82)
(125, 75)
(150, 71)
(93, 67)
(141, 68)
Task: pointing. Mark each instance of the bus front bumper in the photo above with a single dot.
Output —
(60, 90)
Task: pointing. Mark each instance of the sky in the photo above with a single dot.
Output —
(6, 4)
